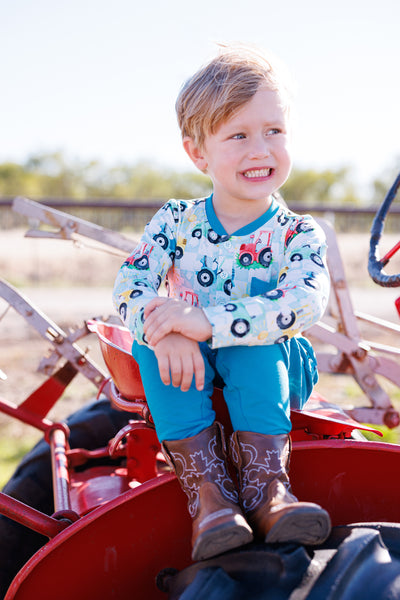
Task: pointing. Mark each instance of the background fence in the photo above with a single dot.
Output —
(132, 215)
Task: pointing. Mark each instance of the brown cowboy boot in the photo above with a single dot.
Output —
(270, 507)
(199, 463)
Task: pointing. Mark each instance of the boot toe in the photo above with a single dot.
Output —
(309, 525)
(220, 539)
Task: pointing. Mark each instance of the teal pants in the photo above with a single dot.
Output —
(260, 385)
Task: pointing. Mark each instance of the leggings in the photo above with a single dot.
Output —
(260, 386)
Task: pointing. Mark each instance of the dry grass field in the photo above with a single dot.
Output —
(70, 283)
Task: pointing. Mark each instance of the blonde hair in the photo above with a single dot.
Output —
(218, 89)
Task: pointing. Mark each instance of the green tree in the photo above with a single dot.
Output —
(382, 185)
(319, 188)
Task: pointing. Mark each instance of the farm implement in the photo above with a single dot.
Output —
(94, 512)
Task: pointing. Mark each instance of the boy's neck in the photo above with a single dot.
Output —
(232, 220)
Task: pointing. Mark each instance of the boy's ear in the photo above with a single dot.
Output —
(195, 153)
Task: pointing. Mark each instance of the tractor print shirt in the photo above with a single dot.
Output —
(264, 284)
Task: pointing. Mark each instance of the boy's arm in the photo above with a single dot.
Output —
(142, 273)
(179, 359)
(165, 315)
(298, 301)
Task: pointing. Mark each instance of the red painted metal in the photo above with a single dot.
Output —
(11, 409)
(58, 448)
(28, 516)
(42, 400)
(97, 486)
(142, 451)
(116, 551)
(355, 480)
(116, 343)
(391, 253)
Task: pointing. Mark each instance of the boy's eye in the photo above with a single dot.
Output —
(238, 136)
(273, 131)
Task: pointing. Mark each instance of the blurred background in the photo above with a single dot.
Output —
(89, 86)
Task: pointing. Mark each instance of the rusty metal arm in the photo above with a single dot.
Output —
(66, 226)
(354, 354)
(51, 332)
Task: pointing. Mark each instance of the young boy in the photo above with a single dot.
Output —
(245, 276)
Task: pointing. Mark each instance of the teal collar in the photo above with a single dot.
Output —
(247, 229)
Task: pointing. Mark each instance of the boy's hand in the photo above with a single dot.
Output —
(167, 315)
(179, 358)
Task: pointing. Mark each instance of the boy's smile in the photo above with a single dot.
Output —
(248, 157)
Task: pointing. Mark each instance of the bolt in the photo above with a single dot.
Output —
(360, 353)
(369, 380)
(391, 418)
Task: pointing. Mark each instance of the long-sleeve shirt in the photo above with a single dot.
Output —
(263, 284)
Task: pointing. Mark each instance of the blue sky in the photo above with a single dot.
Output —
(98, 79)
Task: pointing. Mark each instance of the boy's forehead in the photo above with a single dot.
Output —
(268, 105)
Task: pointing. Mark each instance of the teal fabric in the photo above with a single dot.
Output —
(260, 384)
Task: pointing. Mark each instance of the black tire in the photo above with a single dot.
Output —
(356, 561)
(240, 327)
(274, 294)
(281, 339)
(286, 320)
(303, 227)
(312, 283)
(205, 277)
(91, 427)
(162, 240)
(265, 257)
(141, 263)
(282, 278)
(122, 310)
(230, 307)
(246, 259)
(228, 287)
(213, 236)
(316, 259)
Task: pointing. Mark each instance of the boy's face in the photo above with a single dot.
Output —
(248, 157)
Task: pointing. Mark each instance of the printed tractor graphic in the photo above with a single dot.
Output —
(140, 260)
(256, 251)
(180, 246)
(190, 297)
(299, 226)
(240, 324)
(207, 275)
(162, 238)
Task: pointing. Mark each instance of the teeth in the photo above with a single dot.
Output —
(258, 173)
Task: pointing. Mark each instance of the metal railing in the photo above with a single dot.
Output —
(133, 214)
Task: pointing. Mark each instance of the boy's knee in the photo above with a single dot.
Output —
(251, 358)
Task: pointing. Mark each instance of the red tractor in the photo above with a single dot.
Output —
(94, 511)
(256, 251)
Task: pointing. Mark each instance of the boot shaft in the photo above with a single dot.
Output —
(260, 459)
(270, 507)
(201, 460)
(199, 463)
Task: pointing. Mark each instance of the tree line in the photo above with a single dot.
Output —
(52, 175)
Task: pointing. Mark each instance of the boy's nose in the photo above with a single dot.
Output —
(259, 149)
